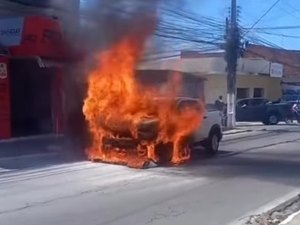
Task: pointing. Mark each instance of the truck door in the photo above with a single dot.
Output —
(256, 109)
(243, 110)
(211, 117)
(194, 104)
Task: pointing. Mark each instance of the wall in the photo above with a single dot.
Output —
(171, 82)
(65, 11)
(216, 85)
(214, 70)
(210, 65)
(289, 58)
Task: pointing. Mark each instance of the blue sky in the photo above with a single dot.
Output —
(286, 13)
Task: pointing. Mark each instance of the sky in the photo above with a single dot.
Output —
(285, 13)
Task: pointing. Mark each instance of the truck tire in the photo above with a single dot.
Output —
(266, 122)
(213, 141)
(273, 119)
(164, 153)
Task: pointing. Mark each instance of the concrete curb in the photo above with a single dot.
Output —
(268, 207)
(235, 131)
(292, 219)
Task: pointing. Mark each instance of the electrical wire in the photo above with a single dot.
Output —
(260, 18)
(280, 35)
(275, 28)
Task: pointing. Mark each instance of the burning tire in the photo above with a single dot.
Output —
(163, 154)
(167, 154)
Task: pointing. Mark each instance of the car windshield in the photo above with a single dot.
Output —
(149, 112)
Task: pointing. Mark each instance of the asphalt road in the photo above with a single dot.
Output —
(254, 169)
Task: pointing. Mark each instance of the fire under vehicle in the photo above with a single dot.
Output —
(171, 126)
(208, 135)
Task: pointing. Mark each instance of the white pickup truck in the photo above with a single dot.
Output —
(209, 134)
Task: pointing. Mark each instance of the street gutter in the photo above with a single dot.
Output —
(273, 213)
(280, 215)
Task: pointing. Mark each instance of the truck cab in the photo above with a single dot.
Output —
(209, 134)
(262, 110)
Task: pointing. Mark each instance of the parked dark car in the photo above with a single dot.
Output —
(262, 110)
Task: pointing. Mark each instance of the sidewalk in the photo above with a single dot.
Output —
(235, 131)
(240, 128)
(30, 145)
(293, 220)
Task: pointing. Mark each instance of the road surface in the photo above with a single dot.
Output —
(253, 170)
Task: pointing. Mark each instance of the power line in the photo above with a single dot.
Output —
(289, 13)
(259, 19)
(293, 8)
(257, 39)
(275, 28)
(280, 35)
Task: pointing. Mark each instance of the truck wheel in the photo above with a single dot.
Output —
(213, 142)
(164, 153)
(273, 119)
(266, 122)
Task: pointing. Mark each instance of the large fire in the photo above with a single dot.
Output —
(118, 109)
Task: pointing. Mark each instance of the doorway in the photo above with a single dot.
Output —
(258, 92)
(30, 98)
(242, 93)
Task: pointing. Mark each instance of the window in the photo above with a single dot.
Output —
(258, 92)
(189, 104)
(242, 93)
(243, 103)
(258, 102)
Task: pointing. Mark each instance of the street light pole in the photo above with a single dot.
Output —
(232, 49)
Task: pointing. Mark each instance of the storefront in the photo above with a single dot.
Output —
(31, 75)
(291, 92)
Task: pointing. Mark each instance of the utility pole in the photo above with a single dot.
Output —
(232, 53)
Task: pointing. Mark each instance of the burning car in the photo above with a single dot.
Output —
(134, 118)
(137, 150)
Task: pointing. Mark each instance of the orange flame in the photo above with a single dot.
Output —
(116, 103)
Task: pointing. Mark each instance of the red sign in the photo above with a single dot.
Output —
(5, 118)
(42, 36)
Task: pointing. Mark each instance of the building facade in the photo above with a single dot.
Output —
(66, 12)
(289, 61)
(255, 77)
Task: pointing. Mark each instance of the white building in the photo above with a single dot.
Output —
(255, 77)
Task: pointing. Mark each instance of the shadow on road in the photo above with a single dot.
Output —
(280, 168)
(39, 155)
(280, 165)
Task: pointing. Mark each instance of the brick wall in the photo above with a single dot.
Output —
(289, 58)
